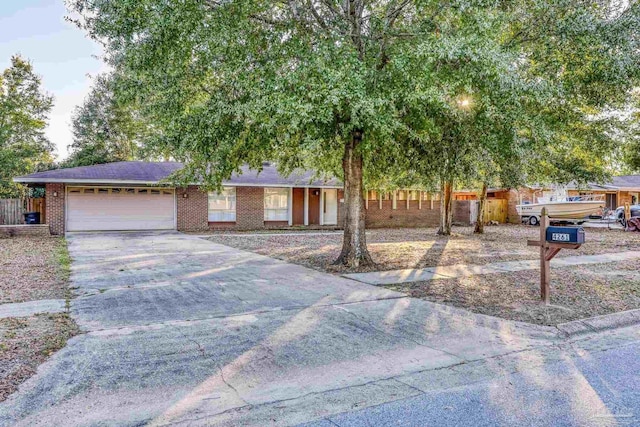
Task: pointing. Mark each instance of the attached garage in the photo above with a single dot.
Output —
(120, 208)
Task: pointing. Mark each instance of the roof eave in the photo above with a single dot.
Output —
(81, 181)
(28, 180)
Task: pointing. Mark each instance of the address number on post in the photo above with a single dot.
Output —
(565, 235)
(560, 237)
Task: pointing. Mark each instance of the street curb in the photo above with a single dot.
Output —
(599, 323)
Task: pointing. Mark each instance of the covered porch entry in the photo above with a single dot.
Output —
(314, 206)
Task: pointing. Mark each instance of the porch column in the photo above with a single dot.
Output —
(306, 206)
(394, 202)
(321, 206)
(290, 206)
(420, 194)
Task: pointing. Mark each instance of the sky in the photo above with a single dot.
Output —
(60, 53)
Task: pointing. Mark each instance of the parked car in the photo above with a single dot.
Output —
(635, 213)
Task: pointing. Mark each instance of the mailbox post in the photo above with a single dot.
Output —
(552, 240)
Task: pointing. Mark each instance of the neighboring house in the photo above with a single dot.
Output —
(617, 192)
(130, 196)
(502, 201)
(622, 189)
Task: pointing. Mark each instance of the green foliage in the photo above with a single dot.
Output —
(628, 154)
(24, 110)
(539, 94)
(233, 82)
(105, 129)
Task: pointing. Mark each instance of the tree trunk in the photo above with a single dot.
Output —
(354, 244)
(446, 208)
(479, 229)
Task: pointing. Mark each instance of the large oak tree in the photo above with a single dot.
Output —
(359, 88)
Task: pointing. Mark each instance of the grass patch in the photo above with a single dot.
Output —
(63, 259)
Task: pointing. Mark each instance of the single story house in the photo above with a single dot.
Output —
(132, 196)
(615, 193)
(620, 190)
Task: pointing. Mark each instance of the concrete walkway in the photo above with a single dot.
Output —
(183, 331)
(462, 270)
(29, 308)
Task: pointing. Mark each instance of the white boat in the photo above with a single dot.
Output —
(562, 208)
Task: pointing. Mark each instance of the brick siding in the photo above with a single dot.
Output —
(249, 208)
(624, 197)
(55, 207)
(402, 217)
(193, 210)
(514, 200)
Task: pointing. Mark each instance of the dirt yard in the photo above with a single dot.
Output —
(31, 269)
(577, 292)
(26, 342)
(399, 248)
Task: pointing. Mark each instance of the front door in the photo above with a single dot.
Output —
(330, 207)
(314, 206)
(298, 206)
(612, 201)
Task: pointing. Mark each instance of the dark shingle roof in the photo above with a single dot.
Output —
(622, 182)
(153, 172)
(628, 181)
(117, 171)
(269, 176)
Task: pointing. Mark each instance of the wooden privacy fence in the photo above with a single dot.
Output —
(12, 210)
(494, 210)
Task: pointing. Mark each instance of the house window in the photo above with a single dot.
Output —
(222, 206)
(414, 195)
(402, 195)
(373, 195)
(276, 204)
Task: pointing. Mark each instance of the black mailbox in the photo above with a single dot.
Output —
(565, 234)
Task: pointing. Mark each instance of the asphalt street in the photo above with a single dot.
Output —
(592, 384)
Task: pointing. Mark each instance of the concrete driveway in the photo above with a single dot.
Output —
(180, 330)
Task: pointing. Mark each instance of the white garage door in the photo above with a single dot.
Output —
(102, 209)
